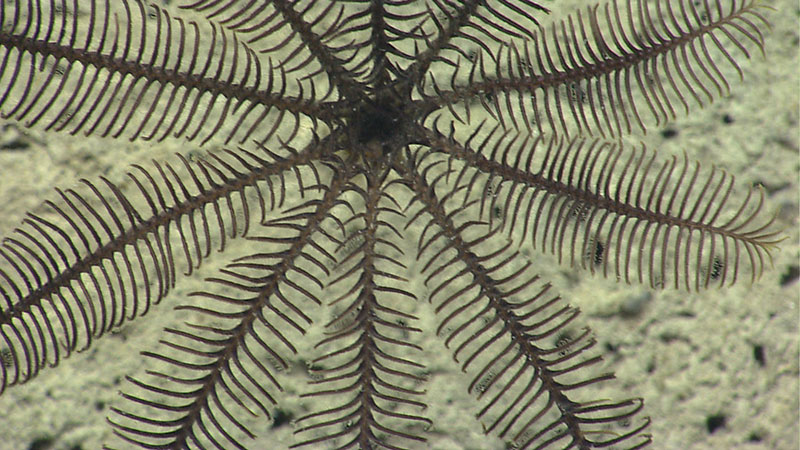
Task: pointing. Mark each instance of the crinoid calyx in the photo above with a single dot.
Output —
(373, 178)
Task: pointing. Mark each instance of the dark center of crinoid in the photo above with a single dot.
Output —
(379, 127)
(377, 123)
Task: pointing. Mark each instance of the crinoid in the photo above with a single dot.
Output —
(352, 215)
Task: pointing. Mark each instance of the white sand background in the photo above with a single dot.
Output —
(691, 356)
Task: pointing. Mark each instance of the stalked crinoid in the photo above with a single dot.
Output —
(366, 179)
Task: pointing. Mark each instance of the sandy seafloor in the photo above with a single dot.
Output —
(691, 356)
